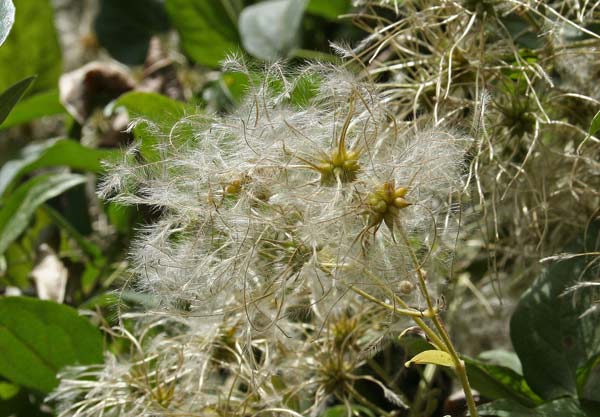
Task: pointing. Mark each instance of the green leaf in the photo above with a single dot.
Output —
(31, 48)
(92, 250)
(207, 29)
(507, 408)
(329, 9)
(122, 217)
(34, 107)
(157, 110)
(7, 18)
(53, 153)
(588, 379)
(11, 96)
(26, 403)
(503, 358)
(8, 390)
(595, 125)
(124, 28)
(19, 264)
(20, 255)
(547, 329)
(20, 205)
(38, 338)
(270, 29)
(435, 357)
(497, 382)
(153, 106)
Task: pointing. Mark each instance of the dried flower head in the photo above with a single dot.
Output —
(271, 220)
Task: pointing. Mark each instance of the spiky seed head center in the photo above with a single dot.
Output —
(341, 165)
(385, 204)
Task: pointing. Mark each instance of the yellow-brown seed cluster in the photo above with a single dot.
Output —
(385, 204)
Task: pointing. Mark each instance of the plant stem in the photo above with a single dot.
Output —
(459, 365)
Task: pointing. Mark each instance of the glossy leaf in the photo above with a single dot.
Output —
(503, 358)
(496, 382)
(53, 153)
(32, 47)
(270, 29)
(34, 107)
(547, 329)
(435, 357)
(207, 29)
(22, 203)
(38, 338)
(7, 18)
(124, 28)
(11, 96)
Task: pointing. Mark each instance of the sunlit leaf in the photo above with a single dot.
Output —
(435, 357)
(207, 29)
(32, 47)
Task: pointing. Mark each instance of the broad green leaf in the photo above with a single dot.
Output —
(31, 47)
(155, 109)
(38, 338)
(502, 357)
(435, 357)
(565, 407)
(22, 203)
(496, 382)
(547, 329)
(53, 153)
(329, 9)
(7, 18)
(34, 107)
(207, 29)
(124, 28)
(561, 408)
(595, 125)
(11, 96)
(270, 29)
